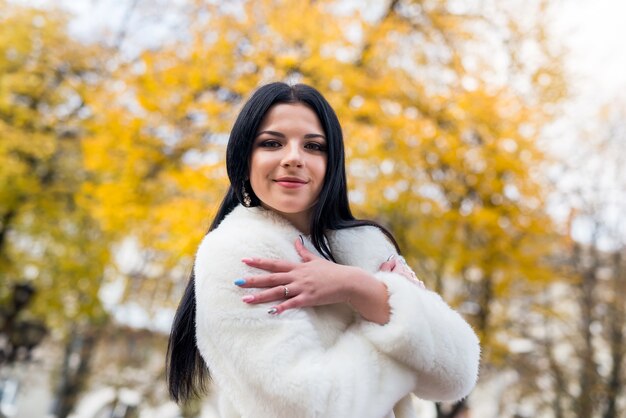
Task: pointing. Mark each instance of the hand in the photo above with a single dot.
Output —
(396, 264)
(313, 282)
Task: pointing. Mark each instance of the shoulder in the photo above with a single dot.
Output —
(359, 237)
(246, 226)
(364, 246)
(245, 232)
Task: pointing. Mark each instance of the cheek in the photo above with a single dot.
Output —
(262, 162)
(321, 170)
(254, 168)
(255, 164)
(320, 174)
(260, 170)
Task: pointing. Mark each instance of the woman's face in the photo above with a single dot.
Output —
(288, 162)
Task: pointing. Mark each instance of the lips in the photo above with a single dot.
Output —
(290, 182)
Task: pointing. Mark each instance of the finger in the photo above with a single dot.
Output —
(275, 266)
(399, 267)
(270, 295)
(403, 271)
(263, 280)
(304, 254)
(386, 266)
(407, 272)
(292, 303)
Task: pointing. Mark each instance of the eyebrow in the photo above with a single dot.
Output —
(281, 135)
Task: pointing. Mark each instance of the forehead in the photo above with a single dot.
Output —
(290, 116)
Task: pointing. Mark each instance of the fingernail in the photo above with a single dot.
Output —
(246, 260)
(247, 298)
(391, 256)
(240, 282)
(272, 311)
(301, 239)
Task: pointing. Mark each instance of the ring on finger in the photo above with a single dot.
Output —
(286, 291)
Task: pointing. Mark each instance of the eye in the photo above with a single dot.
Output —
(270, 143)
(315, 146)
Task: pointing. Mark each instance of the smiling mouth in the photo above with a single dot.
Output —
(291, 180)
(290, 183)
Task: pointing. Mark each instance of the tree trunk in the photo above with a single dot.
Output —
(559, 380)
(615, 385)
(588, 370)
(457, 410)
(5, 225)
(74, 372)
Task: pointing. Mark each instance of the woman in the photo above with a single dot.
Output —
(298, 309)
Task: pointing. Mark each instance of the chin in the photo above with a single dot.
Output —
(288, 208)
(291, 210)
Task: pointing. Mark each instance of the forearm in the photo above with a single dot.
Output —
(428, 336)
(369, 296)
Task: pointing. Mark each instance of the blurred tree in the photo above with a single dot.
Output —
(130, 359)
(46, 236)
(74, 370)
(442, 105)
(594, 374)
(573, 350)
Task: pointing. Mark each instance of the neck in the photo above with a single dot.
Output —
(301, 221)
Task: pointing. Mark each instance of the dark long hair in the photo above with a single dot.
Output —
(187, 375)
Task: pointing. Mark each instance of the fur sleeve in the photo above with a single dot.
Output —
(428, 336)
(277, 366)
(423, 333)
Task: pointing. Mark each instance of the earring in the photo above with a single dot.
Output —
(247, 201)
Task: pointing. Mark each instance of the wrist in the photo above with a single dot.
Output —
(357, 280)
(368, 296)
(349, 288)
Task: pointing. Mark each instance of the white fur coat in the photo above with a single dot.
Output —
(323, 361)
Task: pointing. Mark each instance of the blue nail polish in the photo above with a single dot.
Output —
(240, 282)
(272, 311)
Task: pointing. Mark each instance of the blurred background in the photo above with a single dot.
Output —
(489, 136)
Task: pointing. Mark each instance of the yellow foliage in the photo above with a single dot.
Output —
(47, 238)
(439, 150)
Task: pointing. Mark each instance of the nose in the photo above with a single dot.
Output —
(293, 156)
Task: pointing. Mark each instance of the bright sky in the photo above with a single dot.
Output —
(595, 32)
